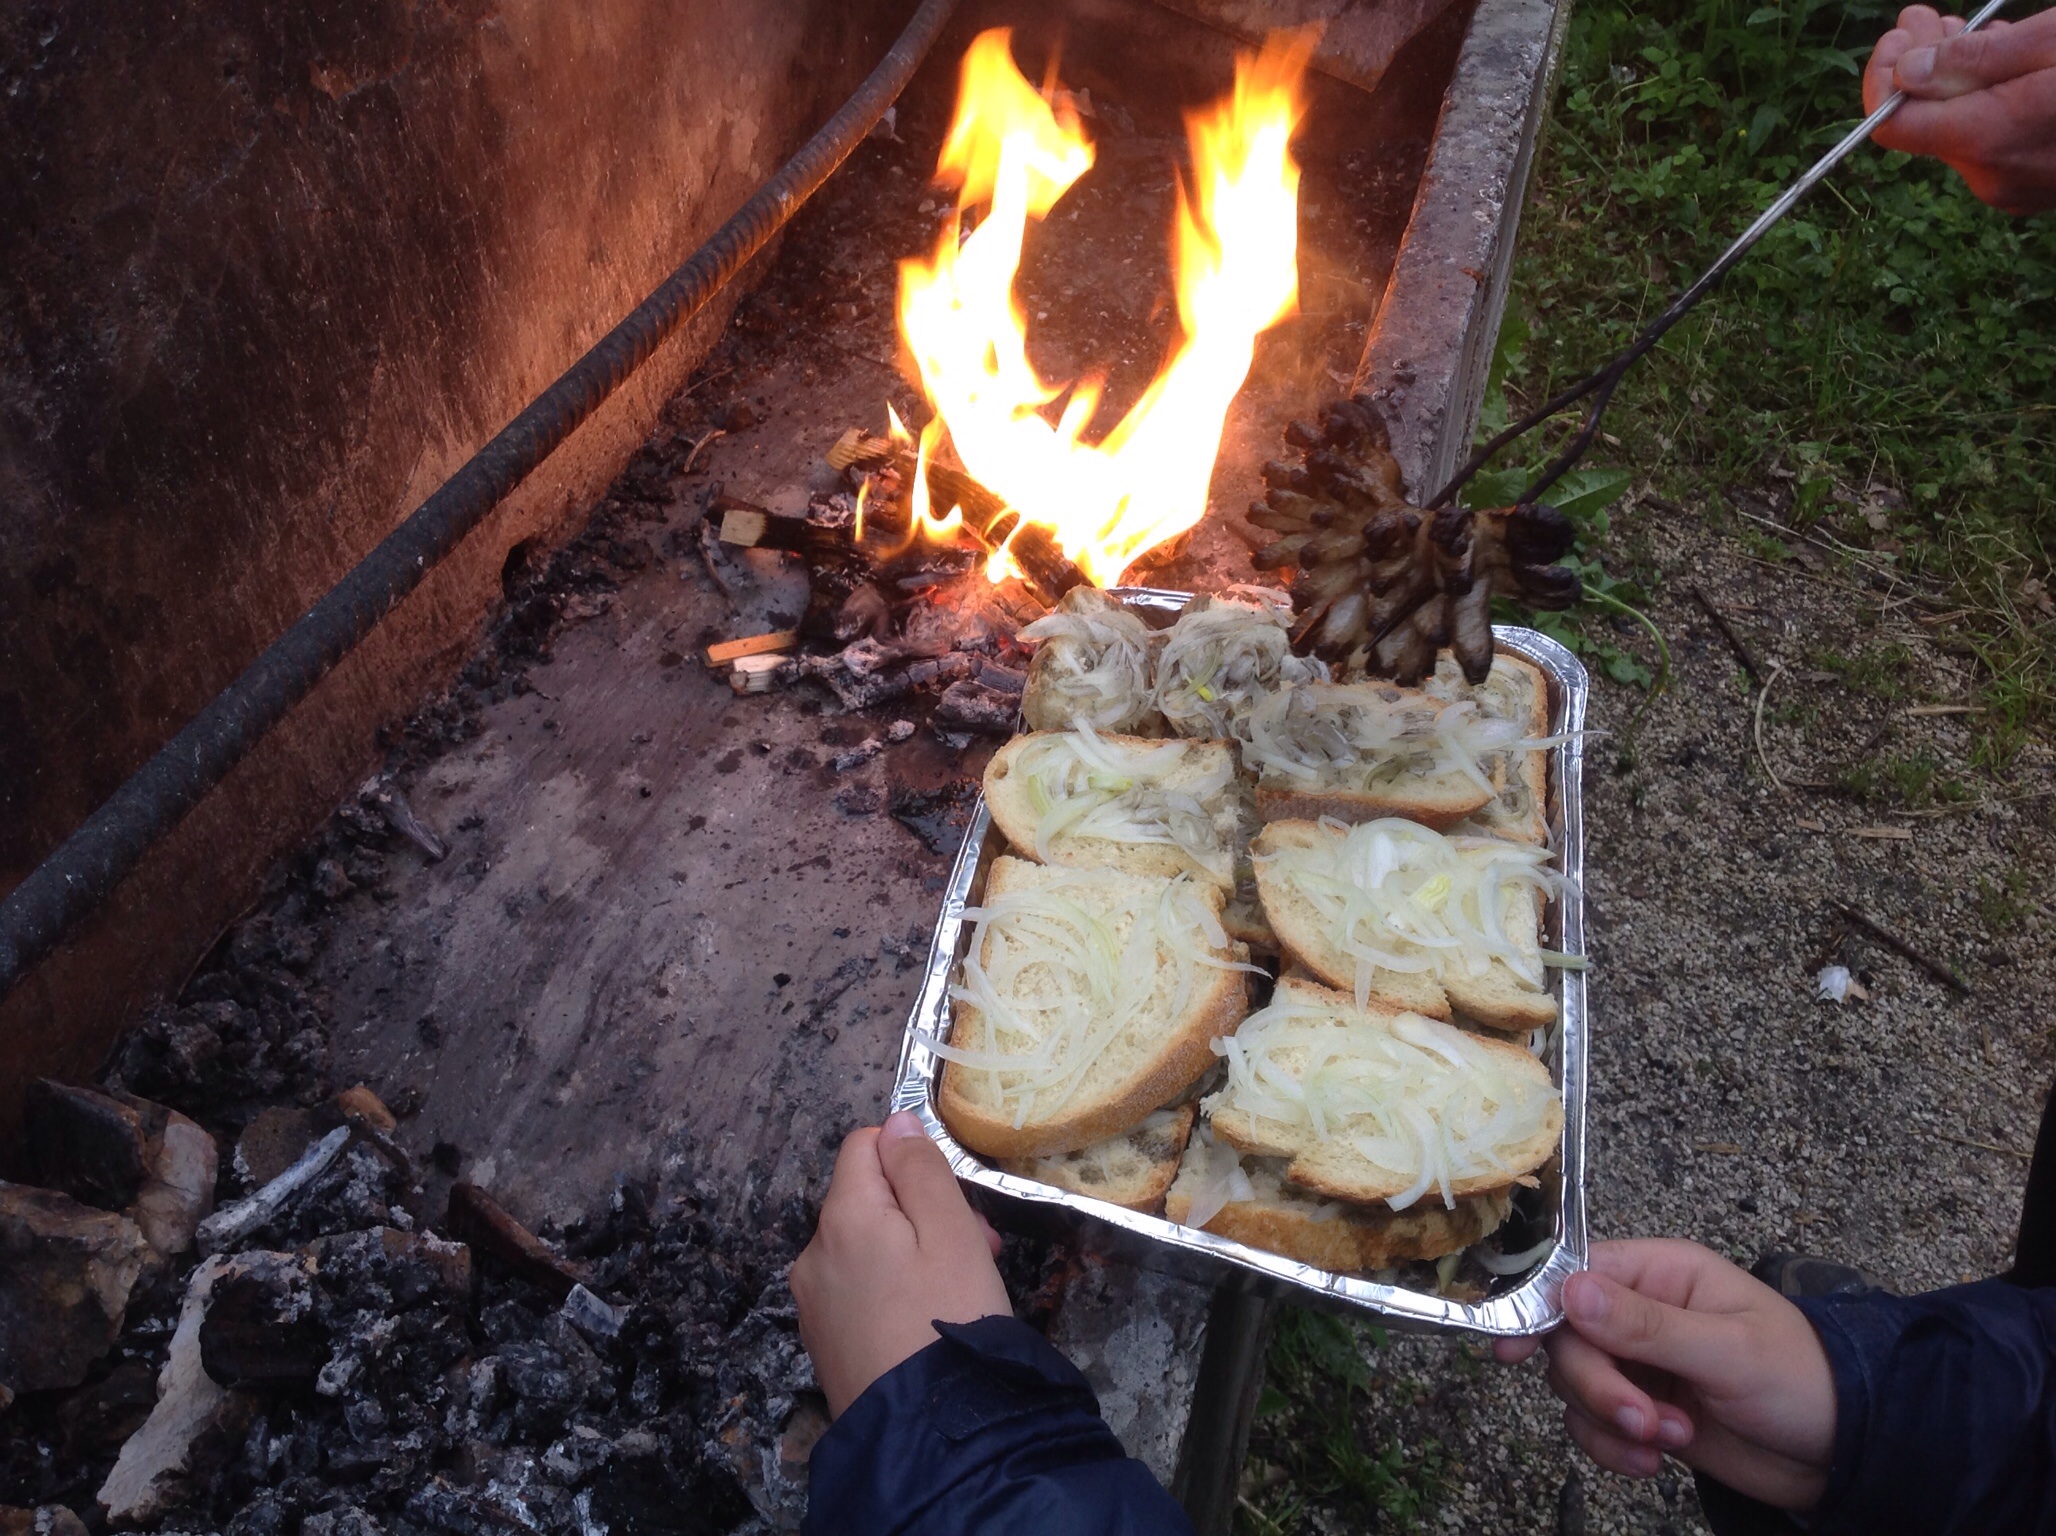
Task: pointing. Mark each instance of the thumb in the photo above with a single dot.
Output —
(1631, 1326)
(1956, 66)
(923, 1185)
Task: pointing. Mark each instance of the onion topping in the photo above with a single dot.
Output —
(1081, 785)
(1094, 662)
(1398, 896)
(1059, 972)
(1419, 1101)
(1366, 738)
(1219, 659)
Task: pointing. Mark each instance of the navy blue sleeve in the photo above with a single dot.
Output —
(990, 1430)
(1945, 1411)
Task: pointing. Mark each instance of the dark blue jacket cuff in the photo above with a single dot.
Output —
(988, 1429)
(1945, 1411)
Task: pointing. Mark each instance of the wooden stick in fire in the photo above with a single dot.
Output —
(987, 518)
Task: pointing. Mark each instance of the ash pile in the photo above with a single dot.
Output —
(237, 1307)
(900, 606)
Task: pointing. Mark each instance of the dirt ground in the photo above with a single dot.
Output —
(1728, 1104)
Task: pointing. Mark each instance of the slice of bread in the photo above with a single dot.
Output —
(1384, 1080)
(1484, 988)
(1357, 752)
(1131, 819)
(1133, 1169)
(1515, 690)
(1301, 937)
(1130, 1019)
(1333, 1235)
(1093, 665)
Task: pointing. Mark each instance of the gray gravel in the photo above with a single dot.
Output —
(1728, 1105)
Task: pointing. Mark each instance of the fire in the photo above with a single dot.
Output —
(1011, 154)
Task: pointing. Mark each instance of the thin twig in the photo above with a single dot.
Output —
(1982, 1146)
(1762, 756)
(1904, 950)
(693, 457)
(1720, 622)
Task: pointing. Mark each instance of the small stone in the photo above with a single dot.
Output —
(348, 1520)
(593, 1317)
(66, 1271)
(899, 730)
(179, 1193)
(260, 1323)
(359, 1106)
(44, 1520)
(330, 883)
(90, 1146)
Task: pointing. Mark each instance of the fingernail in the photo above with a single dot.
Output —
(901, 1123)
(1584, 1299)
(1633, 1421)
(1917, 67)
(1675, 1433)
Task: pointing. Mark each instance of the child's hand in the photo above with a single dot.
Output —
(1984, 102)
(1669, 1347)
(897, 1249)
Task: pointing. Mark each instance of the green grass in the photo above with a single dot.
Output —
(1885, 362)
(1307, 1450)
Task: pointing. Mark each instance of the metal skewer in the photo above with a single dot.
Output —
(1603, 383)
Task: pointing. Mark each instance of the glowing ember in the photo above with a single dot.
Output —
(1013, 154)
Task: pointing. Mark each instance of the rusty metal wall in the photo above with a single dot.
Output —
(273, 272)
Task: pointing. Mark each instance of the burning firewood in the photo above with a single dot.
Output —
(987, 517)
(1383, 585)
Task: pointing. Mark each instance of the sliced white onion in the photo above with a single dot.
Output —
(1098, 663)
(1057, 983)
(1398, 896)
(1418, 1100)
(1083, 785)
(1219, 659)
(1514, 1263)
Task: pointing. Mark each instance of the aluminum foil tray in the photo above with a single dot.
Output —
(1525, 1303)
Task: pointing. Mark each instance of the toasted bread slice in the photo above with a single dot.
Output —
(1299, 933)
(1092, 666)
(1079, 956)
(1337, 1236)
(1133, 1169)
(1356, 752)
(1122, 802)
(1516, 691)
(1300, 893)
(1383, 1080)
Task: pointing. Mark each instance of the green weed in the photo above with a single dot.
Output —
(1308, 1429)
(2005, 905)
(1891, 347)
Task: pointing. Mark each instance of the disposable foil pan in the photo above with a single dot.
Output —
(1525, 1303)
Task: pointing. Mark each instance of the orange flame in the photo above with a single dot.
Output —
(1235, 256)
